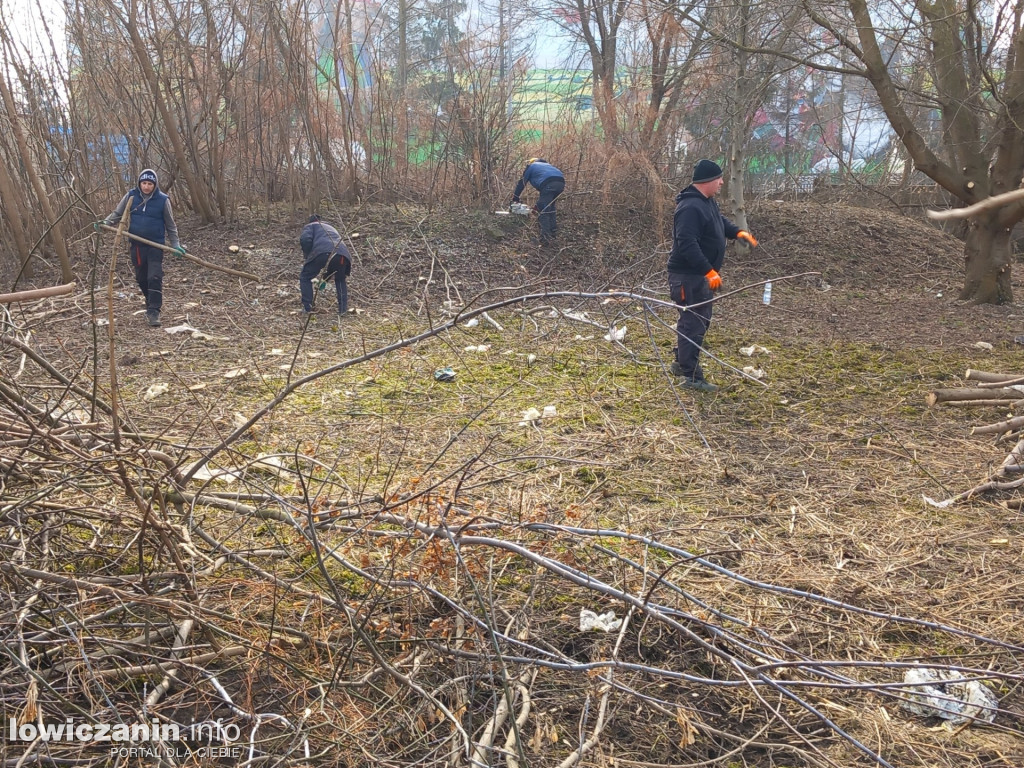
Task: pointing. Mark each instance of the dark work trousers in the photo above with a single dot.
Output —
(545, 208)
(693, 322)
(313, 268)
(149, 273)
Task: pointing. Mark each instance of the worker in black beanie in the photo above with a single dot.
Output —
(699, 232)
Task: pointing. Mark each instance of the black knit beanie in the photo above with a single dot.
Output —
(706, 170)
(147, 175)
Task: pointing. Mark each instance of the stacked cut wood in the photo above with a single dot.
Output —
(1005, 390)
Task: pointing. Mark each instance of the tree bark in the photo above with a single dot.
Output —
(987, 262)
(961, 394)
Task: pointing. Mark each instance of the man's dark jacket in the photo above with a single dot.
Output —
(699, 231)
(318, 238)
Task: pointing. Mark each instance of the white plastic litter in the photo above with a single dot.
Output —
(754, 349)
(473, 322)
(549, 412)
(615, 334)
(520, 209)
(604, 622)
(195, 333)
(154, 391)
(983, 345)
(530, 415)
(753, 372)
(234, 373)
(222, 475)
(479, 348)
(946, 694)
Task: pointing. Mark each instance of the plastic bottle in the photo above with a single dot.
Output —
(767, 292)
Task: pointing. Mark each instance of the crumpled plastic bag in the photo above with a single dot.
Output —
(755, 373)
(615, 334)
(530, 415)
(155, 390)
(946, 694)
(604, 622)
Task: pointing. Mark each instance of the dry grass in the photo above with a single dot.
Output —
(405, 582)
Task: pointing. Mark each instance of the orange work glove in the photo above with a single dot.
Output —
(744, 235)
(714, 280)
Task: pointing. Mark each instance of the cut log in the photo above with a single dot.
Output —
(998, 428)
(972, 394)
(987, 376)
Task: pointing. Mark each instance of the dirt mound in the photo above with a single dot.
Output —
(851, 245)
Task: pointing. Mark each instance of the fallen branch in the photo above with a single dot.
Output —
(999, 427)
(989, 203)
(36, 293)
(186, 254)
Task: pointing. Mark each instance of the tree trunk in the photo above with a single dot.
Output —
(11, 201)
(143, 57)
(987, 263)
(38, 184)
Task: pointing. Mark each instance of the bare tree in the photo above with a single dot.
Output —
(974, 54)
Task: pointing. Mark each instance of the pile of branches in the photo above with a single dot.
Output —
(1002, 390)
(293, 622)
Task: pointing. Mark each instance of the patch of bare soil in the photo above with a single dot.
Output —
(395, 568)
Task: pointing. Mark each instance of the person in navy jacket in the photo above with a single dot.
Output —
(549, 183)
(153, 219)
(699, 232)
(325, 254)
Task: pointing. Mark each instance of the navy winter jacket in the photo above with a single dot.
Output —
(699, 231)
(318, 238)
(151, 217)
